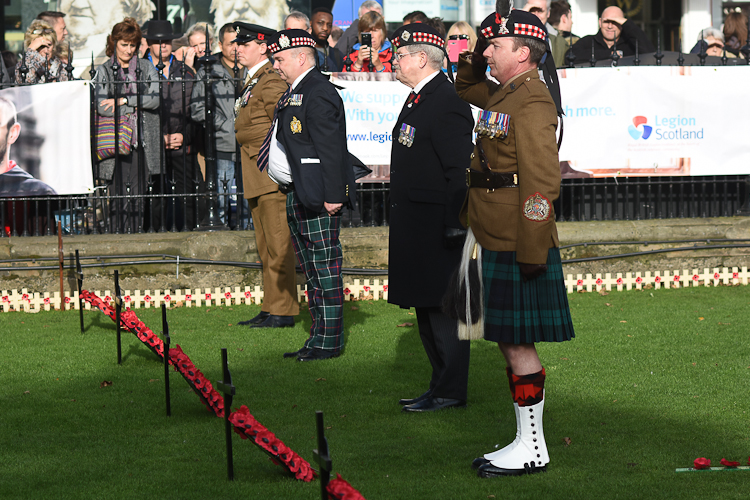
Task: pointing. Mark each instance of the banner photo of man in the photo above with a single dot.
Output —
(45, 145)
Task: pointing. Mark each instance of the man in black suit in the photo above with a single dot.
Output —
(305, 152)
(430, 154)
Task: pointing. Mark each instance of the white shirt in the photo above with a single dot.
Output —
(278, 164)
(418, 87)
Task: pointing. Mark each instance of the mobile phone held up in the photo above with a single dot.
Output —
(367, 39)
(456, 45)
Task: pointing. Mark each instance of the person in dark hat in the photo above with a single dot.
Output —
(178, 129)
(514, 179)
(305, 153)
(254, 110)
(429, 158)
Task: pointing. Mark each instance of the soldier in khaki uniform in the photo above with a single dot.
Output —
(513, 181)
(253, 114)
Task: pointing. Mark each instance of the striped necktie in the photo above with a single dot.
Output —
(266, 146)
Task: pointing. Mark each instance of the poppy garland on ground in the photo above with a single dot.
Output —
(703, 463)
(340, 489)
(197, 381)
(181, 362)
(248, 428)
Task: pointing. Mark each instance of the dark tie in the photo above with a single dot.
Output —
(266, 146)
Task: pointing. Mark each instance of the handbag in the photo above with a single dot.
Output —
(105, 136)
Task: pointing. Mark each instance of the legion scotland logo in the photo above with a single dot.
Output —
(639, 129)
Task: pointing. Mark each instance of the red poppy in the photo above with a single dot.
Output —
(696, 277)
(167, 298)
(347, 291)
(735, 275)
(716, 276)
(147, 298)
(619, 281)
(701, 463)
(728, 463)
(579, 282)
(598, 281)
(639, 280)
(248, 295)
(265, 440)
(228, 295)
(676, 277)
(340, 488)
(657, 279)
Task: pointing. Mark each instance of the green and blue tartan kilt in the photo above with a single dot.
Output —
(518, 312)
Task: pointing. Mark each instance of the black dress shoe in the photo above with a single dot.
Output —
(258, 319)
(489, 470)
(294, 354)
(273, 321)
(316, 354)
(404, 402)
(434, 404)
(478, 462)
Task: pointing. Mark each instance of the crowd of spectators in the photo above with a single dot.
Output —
(180, 64)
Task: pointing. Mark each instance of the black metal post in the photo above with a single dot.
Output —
(570, 57)
(636, 59)
(702, 55)
(615, 54)
(118, 309)
(228, 389)
(681, 59)
(592, 61)
(322, 456)
(658, 55)
(79, 279)
(162, 161)
(212, 221)
(165, 330)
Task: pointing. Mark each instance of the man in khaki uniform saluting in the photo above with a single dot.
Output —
(253, 113)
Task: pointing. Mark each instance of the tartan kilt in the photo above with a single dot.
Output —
(523, 313)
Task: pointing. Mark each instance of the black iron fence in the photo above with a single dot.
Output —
(182, 191)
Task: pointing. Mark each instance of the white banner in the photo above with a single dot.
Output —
(372, 108)
(646, 121)
(53, 142)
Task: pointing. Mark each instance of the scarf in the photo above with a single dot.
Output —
(129, 88)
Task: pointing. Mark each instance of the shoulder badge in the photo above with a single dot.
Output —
(284, 42)
(536, 208)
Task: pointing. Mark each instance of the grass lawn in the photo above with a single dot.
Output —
(653, 380)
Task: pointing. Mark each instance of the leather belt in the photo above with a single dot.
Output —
(490, 179)
(286, 188)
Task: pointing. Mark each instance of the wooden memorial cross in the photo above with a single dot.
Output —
(322, 456)
(228, 389)
(165, 330)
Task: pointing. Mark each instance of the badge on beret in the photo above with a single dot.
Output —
(284, 41)
(536, 208)
(405, 35)
(296, 125)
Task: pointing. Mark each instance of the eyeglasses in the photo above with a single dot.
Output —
(398, 56)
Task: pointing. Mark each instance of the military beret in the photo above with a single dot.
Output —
(519, 23)
(290, 39)
(417, 34)
(247, 32)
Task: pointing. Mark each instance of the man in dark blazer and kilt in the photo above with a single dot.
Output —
(305, 152)
(514, 179)
(429, 157)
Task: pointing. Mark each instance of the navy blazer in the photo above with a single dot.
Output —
(312, 129)
(427, 189)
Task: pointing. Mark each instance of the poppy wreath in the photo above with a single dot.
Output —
(181, 362)
(144, 333)
(95, 301)
(197, 381)
(340, 489)
(248, 428)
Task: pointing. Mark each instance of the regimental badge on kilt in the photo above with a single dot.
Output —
(296, 125)
(536, 208)
(492, 124)
(406, 136)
